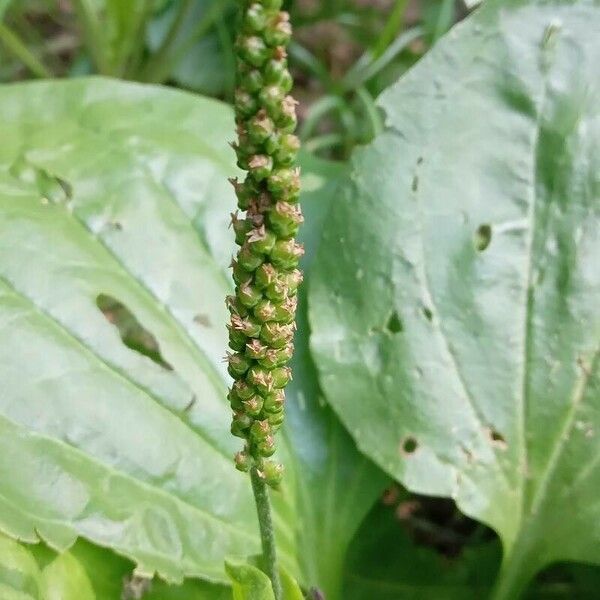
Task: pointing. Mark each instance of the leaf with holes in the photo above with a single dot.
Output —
(454, 301)
(114, 205)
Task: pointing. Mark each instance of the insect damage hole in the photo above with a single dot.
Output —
(394, 324)
(497, 438)
(410, 445)
(483, 237)
(132, 333)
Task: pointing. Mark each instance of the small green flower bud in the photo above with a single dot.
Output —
(253, 406)
(241, 227)
(240, 275)
(244, 102)
(271, 97)
(276, 335)
(293, 280)
(274, 71)
(276, 420)
(286, 118)
(253, 50)
(241, 423)
(252, 81)
(248, 295)
(281, 376)
(266, 448)
(243, 390)
(277, 291)
(243, 192)
(260, 430)
(265, 311)
(262, 379)
(260, 165)
(234, 401)
(279, 32)
(245, 325)
(287, 150)
(269, 360)
(284, 354)
(249, 260)
(260, 127)
(261, 240)
(285, 218)
(271, 473)
(256, 350)
(235, 306)
(286, 254)
(274, 403)
(237, 364)
(242, 462)
(237, 340)
(255, 18)
(264, 275)
(286, 310)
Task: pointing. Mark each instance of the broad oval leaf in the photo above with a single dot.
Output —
(114, 246)
(454, 301)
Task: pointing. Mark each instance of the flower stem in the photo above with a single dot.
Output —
(267, 534)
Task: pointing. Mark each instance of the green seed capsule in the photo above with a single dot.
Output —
(252, 81)
(287, 150)
(261, 240)
(277, 291)
(248, 295)
(266, 448)
(260, 127)
(261, 379)
(265, 311)
(260, 430)
(286, 310)
(237, 340)
(271, 97)
(245, 103)
(286, 118)
(276, 420)
(281, 376)
(276, 335)
(253, 50)
(285, 218)
(247, 326)
(240, 275)
(260, 165)
(235, 306)
(237, 364)
(234, 401)
(255, 349)
(255, 18)
(269, 360)
(264, 275)
(286, 254)
(274, 71)
(249, 260)
(279, 32)
(243, 390)
(242, 462)
(271, 473)
(274, 403)
(241, 227)
(253, 406)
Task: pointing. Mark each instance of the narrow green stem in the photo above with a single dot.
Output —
(94, 35)
(267, 533)
(16, 46)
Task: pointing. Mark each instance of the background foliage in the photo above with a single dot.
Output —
(113, 256)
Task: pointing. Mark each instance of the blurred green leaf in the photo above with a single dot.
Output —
(65, 579)
(249, 582)
(19, 573)
(454, 300)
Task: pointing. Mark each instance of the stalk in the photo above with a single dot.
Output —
(265, 270)
(267, 533)
(15, 45)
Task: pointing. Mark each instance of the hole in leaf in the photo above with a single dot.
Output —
(394, 324)
(428, 313)
(410, 445)
(483, 237)
(497, 438)
(133, 334)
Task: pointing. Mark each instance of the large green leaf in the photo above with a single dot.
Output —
(454, 302)
(114, 196)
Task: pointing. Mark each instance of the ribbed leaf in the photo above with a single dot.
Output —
(113, 219)
(454, 303)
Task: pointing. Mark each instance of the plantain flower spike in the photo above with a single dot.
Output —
(265, 270)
